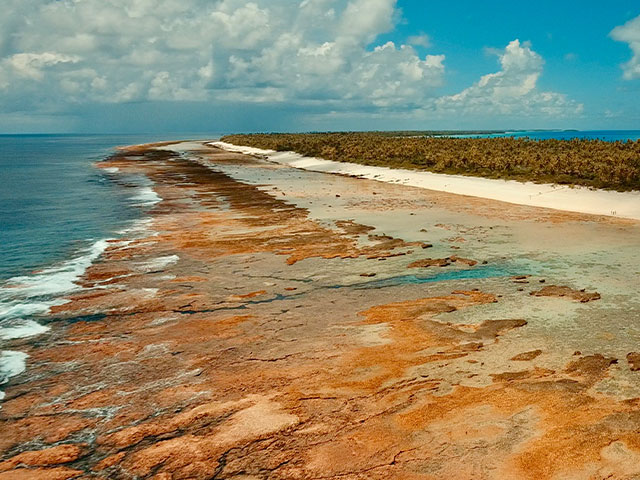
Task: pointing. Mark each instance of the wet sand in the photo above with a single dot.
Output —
(270, 322)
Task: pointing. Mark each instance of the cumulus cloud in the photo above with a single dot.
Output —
(630, 33)
(322, 55)
(512, 90)
(257, 51)
(30, 65)
(421, 40)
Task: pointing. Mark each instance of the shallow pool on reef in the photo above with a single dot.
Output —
(443, 275)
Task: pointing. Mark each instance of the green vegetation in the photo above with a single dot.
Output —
(593, 163)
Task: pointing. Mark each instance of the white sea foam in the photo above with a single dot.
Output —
(158, 263)
(25, 296)
(138, 226)
(54, 280)
(11, 364)
(111, 169)
(146, 196)
(557, 197)
(17, 307)
(21, 329)
(12, 321)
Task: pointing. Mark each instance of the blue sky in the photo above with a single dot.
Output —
(269, 65)
(580, 57)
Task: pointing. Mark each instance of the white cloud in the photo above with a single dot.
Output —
(512, 90)
(421, 40)
(242, 27)
(317, 54)
(30, 65)
(363, 20)
(630, 33)
(236, 50)
(389, 73)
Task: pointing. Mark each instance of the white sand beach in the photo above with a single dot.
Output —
(557, 197)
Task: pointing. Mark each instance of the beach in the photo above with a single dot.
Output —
(268, 320)
(558, 197)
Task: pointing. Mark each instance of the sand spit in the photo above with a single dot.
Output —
(237, 339)
(557, 197)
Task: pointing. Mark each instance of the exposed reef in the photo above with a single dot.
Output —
(567, 292)
(237, 339)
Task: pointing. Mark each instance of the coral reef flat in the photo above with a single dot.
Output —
(268, 322)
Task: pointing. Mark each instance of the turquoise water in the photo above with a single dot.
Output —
(606, 135)
(474, 273)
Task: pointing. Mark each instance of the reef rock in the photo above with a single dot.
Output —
(577, 295)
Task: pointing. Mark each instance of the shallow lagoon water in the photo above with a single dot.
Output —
(449, 274)
(605, 135)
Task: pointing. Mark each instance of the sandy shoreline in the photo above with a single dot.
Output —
(556, 197)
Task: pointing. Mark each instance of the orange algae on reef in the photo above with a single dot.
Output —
(242, 360)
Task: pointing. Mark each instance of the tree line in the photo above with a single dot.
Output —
(592, 163)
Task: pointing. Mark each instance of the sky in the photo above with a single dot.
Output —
(221, 66)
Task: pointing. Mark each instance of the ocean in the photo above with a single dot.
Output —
(57, 211)
(605, 135)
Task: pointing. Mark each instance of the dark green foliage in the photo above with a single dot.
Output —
(593, 163)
